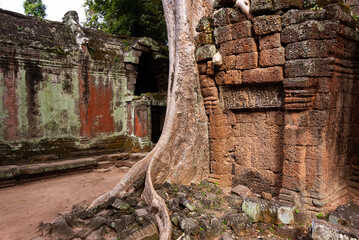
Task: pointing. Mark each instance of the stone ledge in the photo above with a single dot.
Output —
(12, 174)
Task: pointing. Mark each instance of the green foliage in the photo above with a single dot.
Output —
(136, 18)
(34, 8)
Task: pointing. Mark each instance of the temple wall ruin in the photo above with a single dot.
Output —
(283, 103)
(67, 91)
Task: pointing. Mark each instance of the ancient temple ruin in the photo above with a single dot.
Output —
(67, 91)
(283, 104)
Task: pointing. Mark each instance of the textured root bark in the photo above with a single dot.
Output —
(125, 185)
(181, 155)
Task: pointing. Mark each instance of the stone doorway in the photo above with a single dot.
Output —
(158, 114)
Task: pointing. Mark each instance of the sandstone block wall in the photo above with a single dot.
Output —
(282, 106)
(66, 91)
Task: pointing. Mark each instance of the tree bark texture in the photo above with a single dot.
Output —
(181, 155)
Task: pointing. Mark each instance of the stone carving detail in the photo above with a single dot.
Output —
(251, 97)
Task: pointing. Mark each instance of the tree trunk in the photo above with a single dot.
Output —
(181, 155)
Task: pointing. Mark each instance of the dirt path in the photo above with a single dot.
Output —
(23, 207)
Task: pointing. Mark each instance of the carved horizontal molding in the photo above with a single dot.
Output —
(251, 97)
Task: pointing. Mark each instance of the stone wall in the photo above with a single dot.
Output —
(283, 103)
(66, 91)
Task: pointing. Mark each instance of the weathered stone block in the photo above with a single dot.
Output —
(260, 75)
(229, 77)
(271, 57)
(241, 30)
(269, 41)
(347, 215)
(226, 48)
(205, 52)
(242, 191)
(223, 34)
(219, 120)
(258, 6)
(229, 63)
(206, 81)
(226, 16)
(298, 16)
(287, 4)
(204, 39)
(312, 67)
(310, 49)
(322, 230)
(220, 132)
(244, 45)
(246, 60)
(251, 97)
(309, 30)
(267, 24)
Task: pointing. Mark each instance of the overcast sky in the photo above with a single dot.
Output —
(55, 8)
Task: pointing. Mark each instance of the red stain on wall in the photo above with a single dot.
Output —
(140, 121)
(10, 104)
(95, 104)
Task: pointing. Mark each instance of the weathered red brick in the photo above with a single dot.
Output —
(258, 6)
(244, 45)
(310, 49)
(271, 57)
(312, 67)
(260, 75)
(206, 81)
(247, 60)
(309, 30)
(219, 120)
(229, 63)
(226, 48)
(226, 16)
(205, 53)
(269, 41)
(223, 34)
(220, 132)
(267, 24)
(241, 30)
(229, 77)
(298, 16)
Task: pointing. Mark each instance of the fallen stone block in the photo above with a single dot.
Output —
(346, 215)
(322, 230)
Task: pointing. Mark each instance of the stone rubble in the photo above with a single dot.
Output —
(201, 212)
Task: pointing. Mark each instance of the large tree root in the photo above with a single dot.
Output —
(149, 194)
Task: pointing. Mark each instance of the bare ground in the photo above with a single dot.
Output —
(24, 206)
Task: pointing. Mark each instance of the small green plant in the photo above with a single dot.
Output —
(296, 210)
(175, 189)
(356, 17)
(280, 225)
(224, 222)
(320, 215)
(19, 28)
(201, 229)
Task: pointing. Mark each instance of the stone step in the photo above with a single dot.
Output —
(13, 174)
